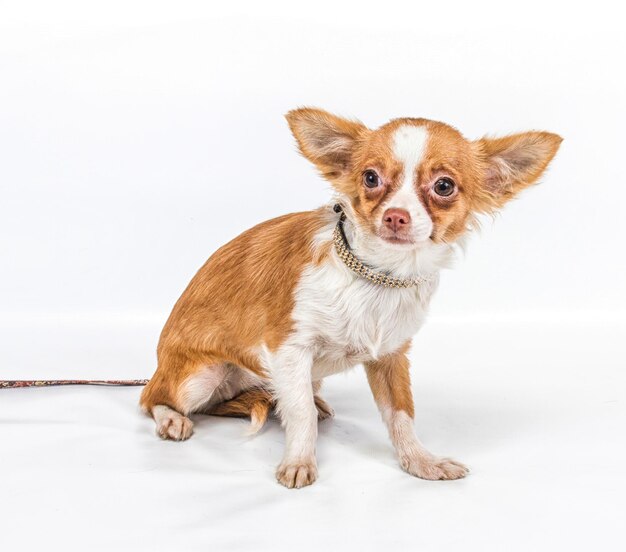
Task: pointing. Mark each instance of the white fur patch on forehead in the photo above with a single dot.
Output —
(409, 144)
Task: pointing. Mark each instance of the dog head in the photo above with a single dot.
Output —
(414, 181)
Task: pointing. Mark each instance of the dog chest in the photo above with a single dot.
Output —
(350, 320)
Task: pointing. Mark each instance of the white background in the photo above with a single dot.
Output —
(137, 137)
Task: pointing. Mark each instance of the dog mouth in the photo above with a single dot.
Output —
(397, 240)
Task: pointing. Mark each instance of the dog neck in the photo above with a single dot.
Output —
(419, 261)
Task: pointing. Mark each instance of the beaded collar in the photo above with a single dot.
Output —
(353, 263)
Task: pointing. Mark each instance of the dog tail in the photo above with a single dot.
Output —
(255, 403)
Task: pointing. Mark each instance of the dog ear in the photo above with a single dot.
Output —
(511, 164)
(325, 139)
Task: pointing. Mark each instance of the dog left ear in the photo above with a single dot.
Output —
(511, 164)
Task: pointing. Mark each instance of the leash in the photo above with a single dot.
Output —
(15, 384)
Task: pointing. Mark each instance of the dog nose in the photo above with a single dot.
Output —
(396, 219)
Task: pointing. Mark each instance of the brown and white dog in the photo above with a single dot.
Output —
(307, 295)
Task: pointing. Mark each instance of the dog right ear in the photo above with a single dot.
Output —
(325, 139)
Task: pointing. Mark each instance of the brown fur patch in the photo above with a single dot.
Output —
(390, 381)
(241, 298)
(254, 403)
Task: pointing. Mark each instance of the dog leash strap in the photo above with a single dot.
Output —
(14, 384)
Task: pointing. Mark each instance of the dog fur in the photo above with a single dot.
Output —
(275, 311)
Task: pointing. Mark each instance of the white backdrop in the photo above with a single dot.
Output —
(137, 137)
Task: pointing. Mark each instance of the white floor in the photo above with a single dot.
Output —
(536, 409)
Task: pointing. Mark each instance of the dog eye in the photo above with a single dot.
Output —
(444, 187)
(371, 179)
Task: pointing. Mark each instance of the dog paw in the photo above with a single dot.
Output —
(295, 475)
(433, 468)
(324, 410)
(171, 424)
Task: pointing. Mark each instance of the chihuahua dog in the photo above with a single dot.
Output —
(307, 295)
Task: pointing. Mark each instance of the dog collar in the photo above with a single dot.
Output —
(353, 263)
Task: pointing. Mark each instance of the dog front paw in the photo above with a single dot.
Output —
(295, 475)
(433, 468)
